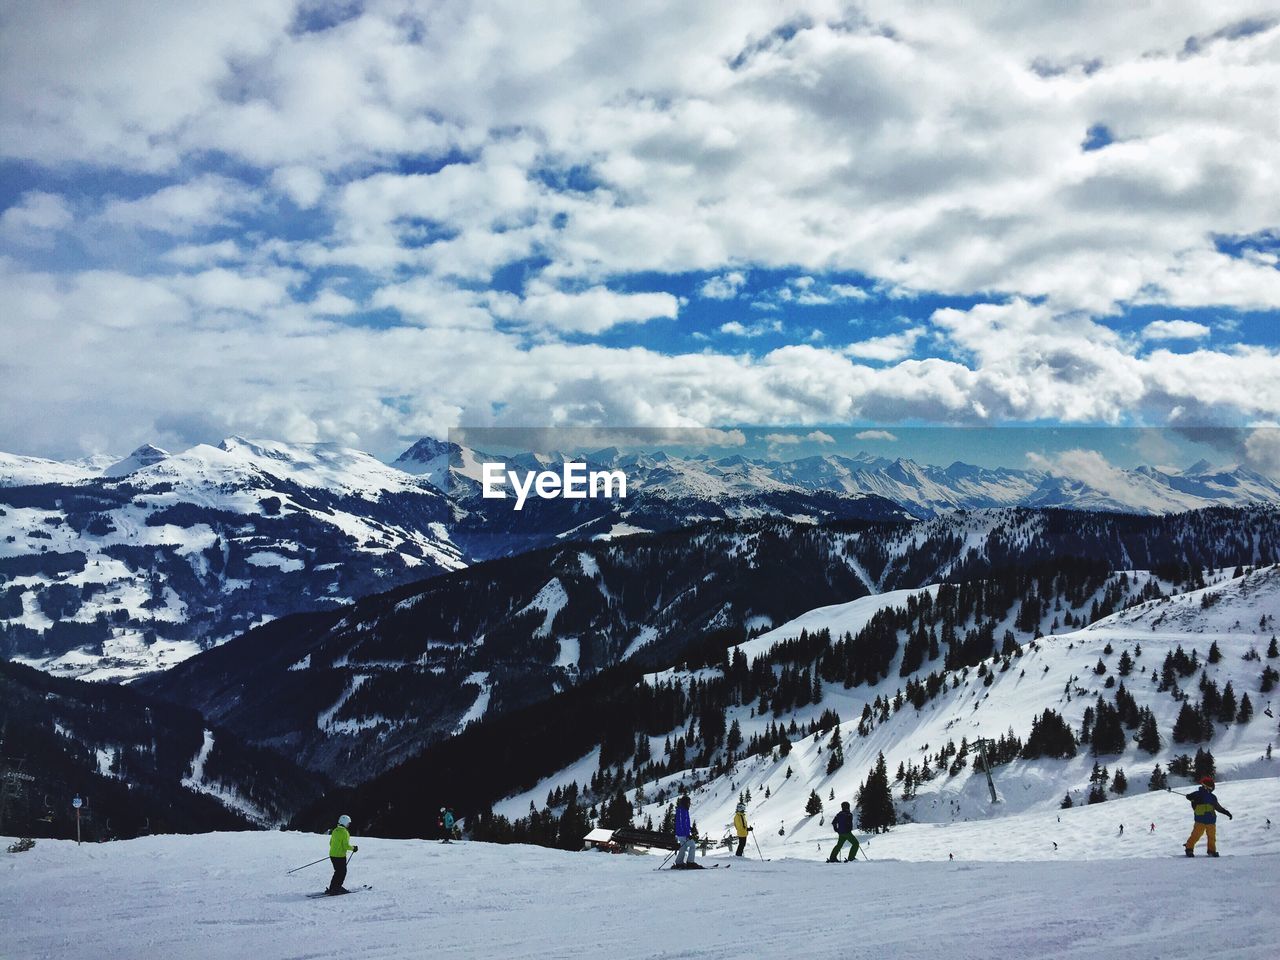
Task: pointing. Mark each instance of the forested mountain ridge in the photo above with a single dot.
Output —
(354, 691)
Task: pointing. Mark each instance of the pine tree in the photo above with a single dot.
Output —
(1149, 733)
(836, 760)
(1204, 765)
(1098, 777)
(1269, 678)
(1067, 802)
(573, 825)
(1245, 713)
(1126, 663)
(875, 801)
(1272, 650)
(1159, 779)
(1050, 737)
(1227, 709)
(1186, 729)
(1108, 733)
(1119, 783)
(734, 739)
(814, 806)
(617, 812)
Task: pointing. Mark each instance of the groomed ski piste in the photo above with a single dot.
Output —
(228, 896)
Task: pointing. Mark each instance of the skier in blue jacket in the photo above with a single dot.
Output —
(685, 837)
(1206, 808)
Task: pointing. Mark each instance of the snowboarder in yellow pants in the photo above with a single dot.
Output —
(1206, 808)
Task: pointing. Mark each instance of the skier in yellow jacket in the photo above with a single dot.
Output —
(740, 827)
(339, 845)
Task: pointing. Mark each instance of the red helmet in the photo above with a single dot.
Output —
(1206, 781)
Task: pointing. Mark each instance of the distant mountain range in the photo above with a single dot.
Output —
(921, 489)
(110, 568)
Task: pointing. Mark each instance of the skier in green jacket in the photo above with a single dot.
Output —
(339, 845)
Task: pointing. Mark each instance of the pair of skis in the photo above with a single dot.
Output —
(343, 893)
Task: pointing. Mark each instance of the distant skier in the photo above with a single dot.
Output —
(740, 827)
(685, 837)
(842, 824)
(446, 823)
(339, 846)
(1206, 808)
(1122, 829)
(1055, 846)
(1153, 828)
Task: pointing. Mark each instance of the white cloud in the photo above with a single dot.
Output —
(303, 185)
(283, 371)
(1262, 449)
(790, 439)
(736, 329)
(1175, 330)
(791, 151)
(588, 311)
(35, 218)
(180, 209)
(889, 348)
(935, 149)
(723, 287)
(204, 254)
(874, 435)
(816, 295)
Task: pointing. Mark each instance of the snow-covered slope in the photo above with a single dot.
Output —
(18, 471)
(1002, 695)
(226, 896)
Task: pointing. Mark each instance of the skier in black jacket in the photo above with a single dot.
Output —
(842, 824)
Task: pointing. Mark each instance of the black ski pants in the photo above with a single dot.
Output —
(742, 845)
(339, 872)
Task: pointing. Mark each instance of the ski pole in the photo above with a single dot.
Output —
(664, 862)
(757, 842)
(305, 865)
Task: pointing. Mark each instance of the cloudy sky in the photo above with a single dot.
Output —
(366, 222)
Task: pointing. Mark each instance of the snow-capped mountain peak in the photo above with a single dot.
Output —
(145, 456)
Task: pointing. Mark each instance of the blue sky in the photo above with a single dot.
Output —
(367, 222)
